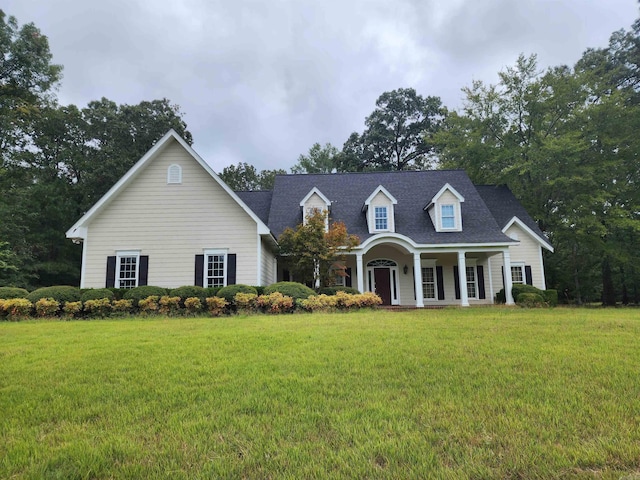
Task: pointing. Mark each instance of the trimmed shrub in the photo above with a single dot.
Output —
(211, 291)
(99, 307)
(259, 289)
(60, 293)
(216, 305)
(188, 291)
(16, 308)
(122, 307)
(500, 296)
(530, 300)
(275, 302)
(295, 290)
(519, 288)
(13, 292)
(319, 303)
(149, 305)
(551, 297)
(96, 294)
(47, 307)
(245, 302)
(193, 305)
(229, 292)
(139, 293)
(334, 290)
(169, 305)
(72, 309)
(118, 293)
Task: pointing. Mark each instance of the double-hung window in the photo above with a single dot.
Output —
(472, 290)
(215, 263)
(428, 283)
(448, 216)
(517, 274)
(127, 270)
(381, 218)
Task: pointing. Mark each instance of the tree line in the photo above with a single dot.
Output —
(563, 139)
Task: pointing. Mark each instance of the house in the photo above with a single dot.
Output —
(427, 237)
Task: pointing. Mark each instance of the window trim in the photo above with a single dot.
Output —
(205, 270)
(473, 268)
(519, 265)
(453, 216)
(380, 208)
(120, 254)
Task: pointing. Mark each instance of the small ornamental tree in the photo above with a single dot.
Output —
(312, 252)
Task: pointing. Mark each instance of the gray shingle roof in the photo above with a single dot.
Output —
(413, 190)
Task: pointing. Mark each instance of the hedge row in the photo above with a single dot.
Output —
(100, 303)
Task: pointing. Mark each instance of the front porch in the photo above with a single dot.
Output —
(406, 275)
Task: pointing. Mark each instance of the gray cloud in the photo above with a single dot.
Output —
(262, 81)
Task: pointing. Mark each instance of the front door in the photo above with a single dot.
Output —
(382, 280)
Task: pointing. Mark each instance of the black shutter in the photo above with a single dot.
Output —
(231, 269)
(504, 285)
(527, 274)
(481, 293)
(440, 277)
(143, 270)
(347, 279)
(413, 275)
(199, 277)
(456, 281)
(111, 272)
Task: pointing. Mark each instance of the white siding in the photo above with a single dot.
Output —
(267, 269)
(527, 252)
(171, 224)
(381, 200)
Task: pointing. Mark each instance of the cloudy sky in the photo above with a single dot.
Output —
(260, 81)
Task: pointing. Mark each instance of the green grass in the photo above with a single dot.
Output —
(456, 393)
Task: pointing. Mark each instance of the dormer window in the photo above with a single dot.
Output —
(314, 202)
(381, 218)
(380, 211)
(445, 210)
(448, 216)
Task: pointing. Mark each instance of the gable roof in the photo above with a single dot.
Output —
(412, 189)
(79, 229)
(507, 210)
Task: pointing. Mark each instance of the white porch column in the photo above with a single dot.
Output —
(508, 282)
(462, 279)
(360, 272)
(417, 279)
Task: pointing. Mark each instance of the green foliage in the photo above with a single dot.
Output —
(189, 291)
(229, 292)
(12, 292)
(295, 290)
(519, 288)
(245, 178)
(551, 297)
(211, 291)
(334, 290)
(320, 159)
(138, 293)
(530, 300)
(61, 294)
(97, 293)
(396, 137)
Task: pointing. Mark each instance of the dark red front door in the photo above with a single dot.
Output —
(383, 284)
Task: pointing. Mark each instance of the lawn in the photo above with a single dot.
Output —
(454, 393)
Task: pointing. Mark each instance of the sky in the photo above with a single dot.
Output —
(262, 81)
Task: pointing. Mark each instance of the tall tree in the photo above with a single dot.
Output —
(396, 134)
(244, 177)
(320, 159)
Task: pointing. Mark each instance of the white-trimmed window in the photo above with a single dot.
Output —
(215, 268)
(174, 174)
(448, 216)
(429, 287)
(517, 273)
(127, 269)
(381, 218)
(472, 285)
